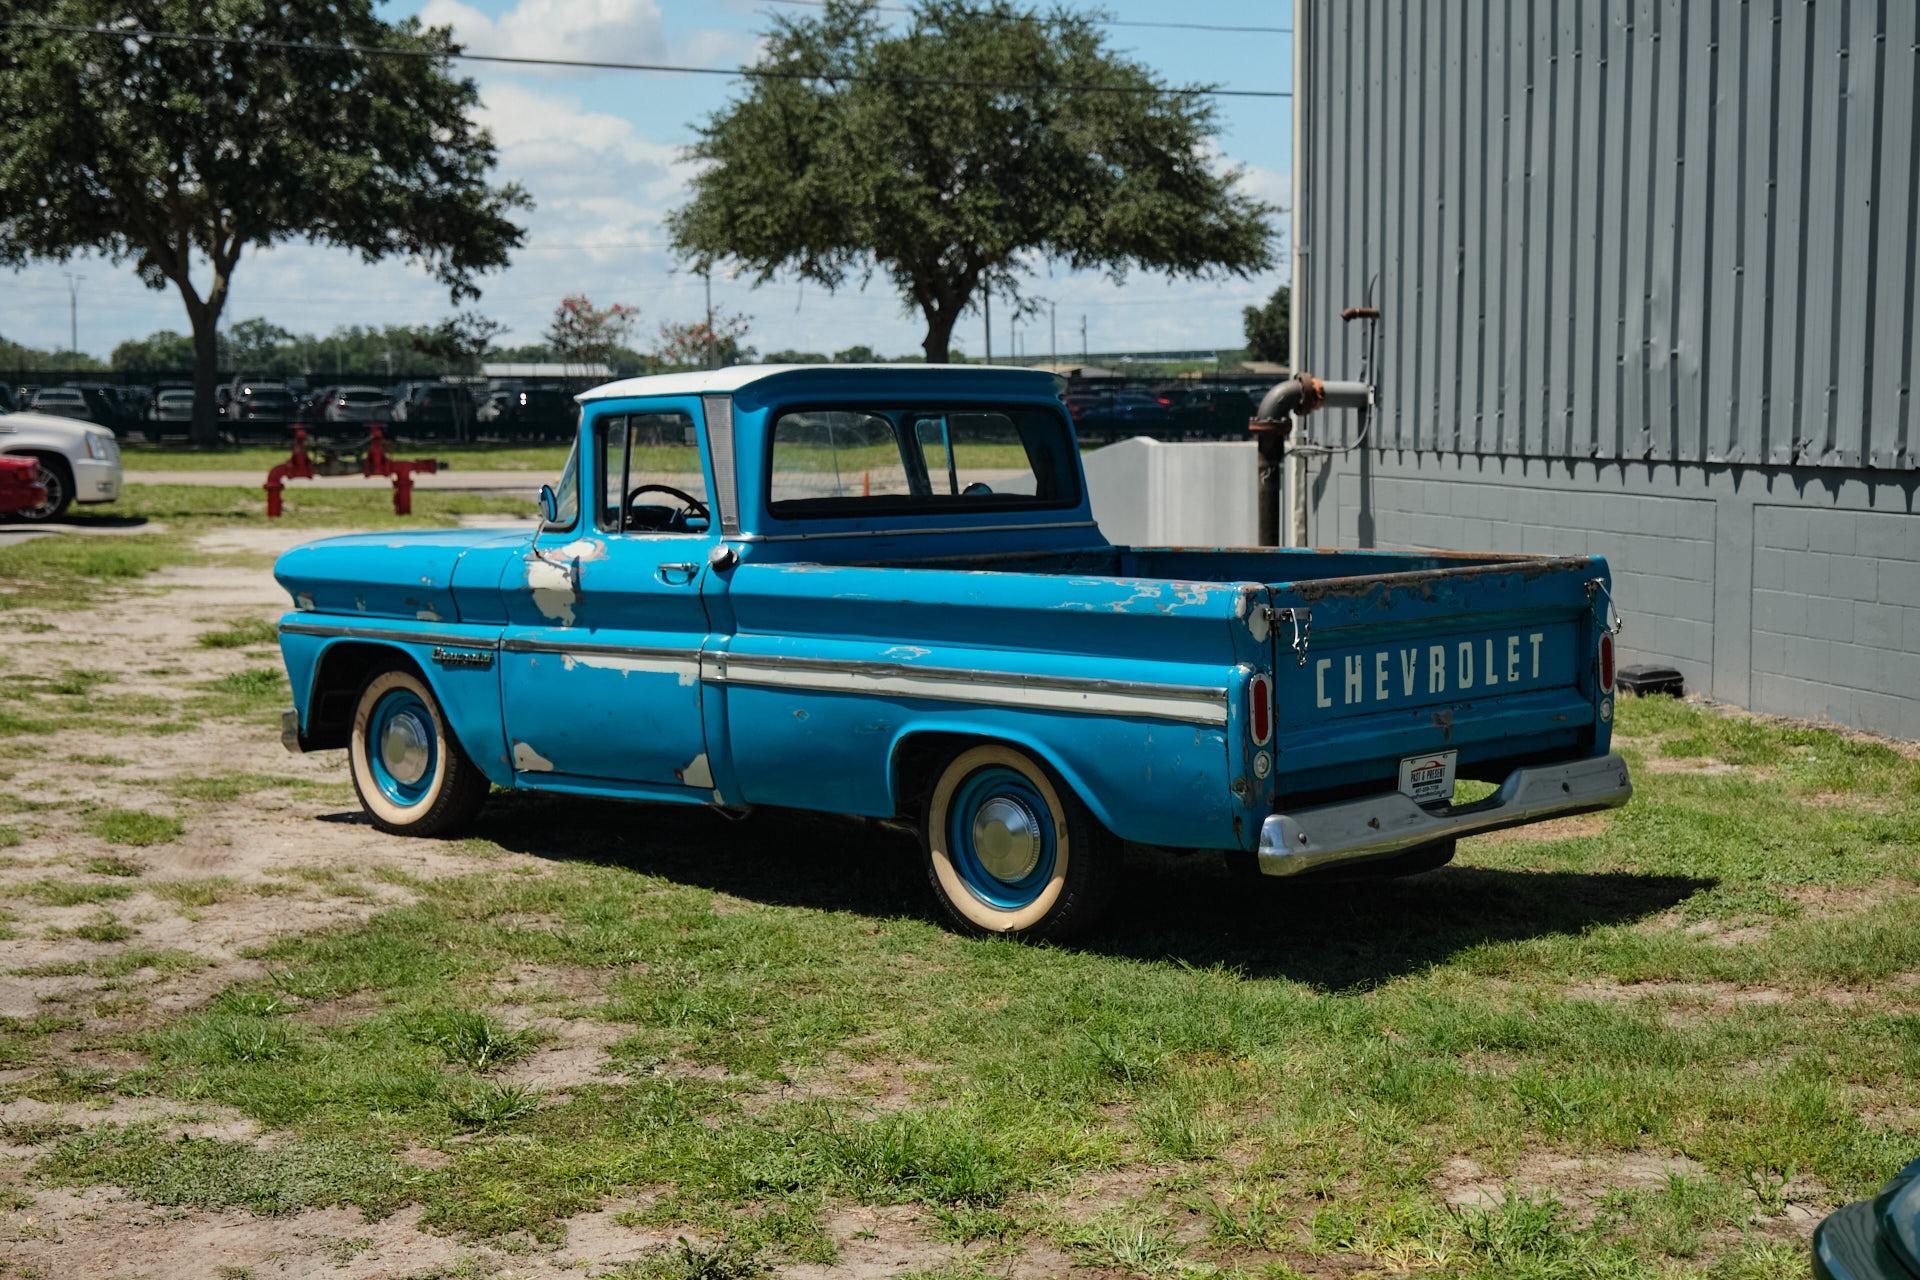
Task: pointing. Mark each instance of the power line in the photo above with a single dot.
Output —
(734, 73)
(1102, 22)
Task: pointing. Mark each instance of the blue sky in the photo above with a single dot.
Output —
(600, 152)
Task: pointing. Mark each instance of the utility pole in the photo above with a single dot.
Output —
(1053, 333)
(711, 352)
(986, 310)
(1083, 337)
(73, 311)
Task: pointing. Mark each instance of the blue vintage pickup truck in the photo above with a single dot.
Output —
(881, 592)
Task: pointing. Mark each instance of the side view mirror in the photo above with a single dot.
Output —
(549, 505)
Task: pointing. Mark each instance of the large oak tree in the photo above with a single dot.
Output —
(178, 156)
(956, 153)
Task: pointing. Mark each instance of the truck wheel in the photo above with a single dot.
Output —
(412, 776)
(1012, 850)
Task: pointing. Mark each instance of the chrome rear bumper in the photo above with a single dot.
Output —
(1374, 826)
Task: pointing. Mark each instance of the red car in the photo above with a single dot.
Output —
(21, 488)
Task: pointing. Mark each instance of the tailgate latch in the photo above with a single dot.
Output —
(1611, 620)
(1302, 620)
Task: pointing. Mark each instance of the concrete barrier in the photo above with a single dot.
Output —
(1201, 493)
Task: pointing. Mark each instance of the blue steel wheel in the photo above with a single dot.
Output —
(1011, 849)
(411, 774)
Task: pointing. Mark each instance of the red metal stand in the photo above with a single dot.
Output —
(373, 462)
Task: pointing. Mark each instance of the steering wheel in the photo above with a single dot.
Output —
(692, 507)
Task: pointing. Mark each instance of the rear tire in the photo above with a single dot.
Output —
(1011, 850)
(411, 774)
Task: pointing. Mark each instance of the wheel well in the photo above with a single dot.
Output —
(343, 668)
(52, 459)
(916, 762)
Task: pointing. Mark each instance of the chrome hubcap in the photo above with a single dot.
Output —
(404, 748)
(1006, 838)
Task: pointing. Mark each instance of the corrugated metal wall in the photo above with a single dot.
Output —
(1614, 230)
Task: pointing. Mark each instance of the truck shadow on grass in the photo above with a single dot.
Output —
(1186, 908)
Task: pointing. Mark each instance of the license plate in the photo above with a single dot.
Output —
(1428, 779)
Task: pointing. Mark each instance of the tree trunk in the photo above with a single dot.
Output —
(939, 339)
(206, 371)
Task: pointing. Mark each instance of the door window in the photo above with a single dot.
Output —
(650, 477)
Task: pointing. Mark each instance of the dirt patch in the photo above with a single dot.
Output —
(1700, 766)
(1579, 826)
(1711, 995)
(184, 1119)
(575, 1053)
(1577, 1182)
(875, 1243)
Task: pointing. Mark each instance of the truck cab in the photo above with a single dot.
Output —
(880, 591)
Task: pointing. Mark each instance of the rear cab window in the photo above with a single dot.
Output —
(919, 459)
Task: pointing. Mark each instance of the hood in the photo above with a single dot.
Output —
(46, 425)
(397, 574)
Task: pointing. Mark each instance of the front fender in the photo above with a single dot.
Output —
(326, 672)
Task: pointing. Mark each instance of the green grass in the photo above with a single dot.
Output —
(253, 631)
(68, 571)
(1642, 1037)
(535, 458)
(190, 509)
(134, 827)
(71, 893)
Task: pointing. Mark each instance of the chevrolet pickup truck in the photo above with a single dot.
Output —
(881, 592)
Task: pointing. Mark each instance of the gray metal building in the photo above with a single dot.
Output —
(1647, 281)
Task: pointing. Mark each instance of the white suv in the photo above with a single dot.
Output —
(79, 461)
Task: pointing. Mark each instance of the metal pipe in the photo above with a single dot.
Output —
(1296, 276)
(1273, 423)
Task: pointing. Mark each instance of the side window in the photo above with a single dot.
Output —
(649, 474)
(836, 454)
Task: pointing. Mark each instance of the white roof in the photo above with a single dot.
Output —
(734, 377)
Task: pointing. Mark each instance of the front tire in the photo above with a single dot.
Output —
(1011, 850)
(411, 774)
(57, 476)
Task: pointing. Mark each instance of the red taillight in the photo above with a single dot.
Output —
(1606, 660)
(1164, 400)
(1260, 709)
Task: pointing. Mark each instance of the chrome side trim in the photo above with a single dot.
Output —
(1187, 704)
(1352, 831)
(726, 496)
(397, 635)
(521, 645)
(901, 533)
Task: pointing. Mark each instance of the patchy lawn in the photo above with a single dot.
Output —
(604, 1040)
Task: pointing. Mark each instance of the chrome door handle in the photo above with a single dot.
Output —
(686, 566)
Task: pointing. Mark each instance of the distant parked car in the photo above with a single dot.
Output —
(431, 409)
(1208, 411)
(531, 412)
(1108, 415)
(357, 404)
(171, 405)
(261, 404)
(8, 401)
(62, 402)
(79, 461)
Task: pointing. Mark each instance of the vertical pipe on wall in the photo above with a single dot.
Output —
(1296, 344)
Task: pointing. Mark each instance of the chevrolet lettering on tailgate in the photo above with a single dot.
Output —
(1411, 673)
(880, 591)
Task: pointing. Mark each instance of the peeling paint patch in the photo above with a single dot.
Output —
(552, 588)
(905, 652)
(527, 760)
(696, 774)
(303, 601)
(427, 615)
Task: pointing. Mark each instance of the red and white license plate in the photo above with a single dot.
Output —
(1428, 779)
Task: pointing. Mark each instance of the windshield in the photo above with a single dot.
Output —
(848, 461)
(567, 488)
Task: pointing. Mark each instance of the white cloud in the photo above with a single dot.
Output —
(602, 30)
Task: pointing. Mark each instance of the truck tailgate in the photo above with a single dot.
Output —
(1496, 662)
